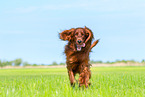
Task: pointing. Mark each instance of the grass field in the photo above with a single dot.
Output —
(53, 82)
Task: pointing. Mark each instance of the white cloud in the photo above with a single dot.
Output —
(75, 5)
(93, 5)
(11, 32)
(24, 10)
(64, 6)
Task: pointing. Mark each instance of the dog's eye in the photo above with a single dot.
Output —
(82, 33)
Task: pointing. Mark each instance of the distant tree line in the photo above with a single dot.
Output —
(117, 61)
(19, 62)
(16, 62)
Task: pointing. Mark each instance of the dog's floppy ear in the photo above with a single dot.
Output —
(66, 34)
(89, 34)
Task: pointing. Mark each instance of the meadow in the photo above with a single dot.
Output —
(54, 82)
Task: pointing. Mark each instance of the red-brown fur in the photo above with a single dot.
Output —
(78, 61)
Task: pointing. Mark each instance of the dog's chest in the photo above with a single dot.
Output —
(78, 57)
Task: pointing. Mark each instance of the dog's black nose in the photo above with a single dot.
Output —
(79, 41)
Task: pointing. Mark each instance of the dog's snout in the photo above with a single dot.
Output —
(79, 41)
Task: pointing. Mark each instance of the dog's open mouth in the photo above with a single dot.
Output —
(79, 47)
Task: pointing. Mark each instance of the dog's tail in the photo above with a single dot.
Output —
(94, 44)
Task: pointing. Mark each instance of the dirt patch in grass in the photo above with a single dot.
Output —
(63, 66)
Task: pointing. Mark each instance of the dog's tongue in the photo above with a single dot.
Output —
(79, 47)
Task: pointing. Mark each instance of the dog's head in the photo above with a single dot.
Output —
(79, 36)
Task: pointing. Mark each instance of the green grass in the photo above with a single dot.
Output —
(54, 82)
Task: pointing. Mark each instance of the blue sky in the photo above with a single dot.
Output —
(29, 29)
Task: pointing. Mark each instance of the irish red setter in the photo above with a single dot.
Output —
(77, 53)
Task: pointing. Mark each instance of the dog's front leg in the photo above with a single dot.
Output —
(85, 75)
(71, 77)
